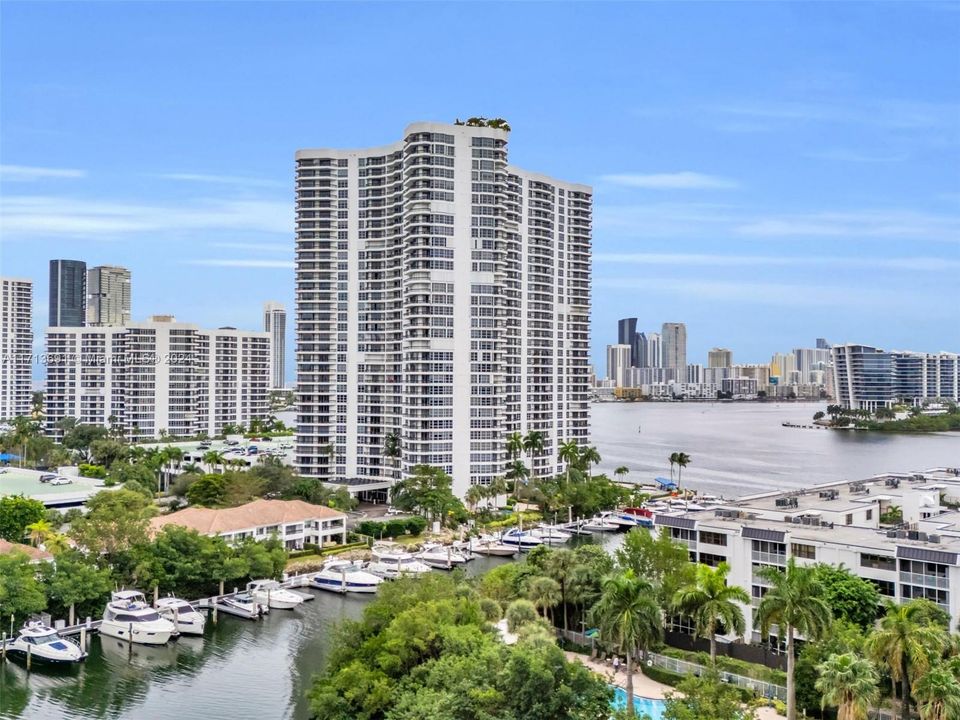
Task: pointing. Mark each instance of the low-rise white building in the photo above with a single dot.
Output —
(838, 523)
(295, 522)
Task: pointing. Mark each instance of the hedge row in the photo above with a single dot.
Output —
(392, 528)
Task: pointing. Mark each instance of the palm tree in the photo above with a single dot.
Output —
(474, 494)
(518, 472)
(682, 460)
(213, 459)
(39, 532)
(711, 603)
(938, 694)
(569, 453)
(848, 683)
(904, 641)
(621, 472)
(673, 461)
(56, 543)
(391, 446)
(533, 445)
(629, 618)
(795, 604)
(544, 593)
(561, 565)
(514, 445)
(589, 456)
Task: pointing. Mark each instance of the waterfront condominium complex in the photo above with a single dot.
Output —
(674, 338)
(443, 299)
(68, 293)
(157, 377)
(839, 524)
(275, 323)
(868, 378)
(618, 364)
(108, 296)
(720, 358)
(16, 346)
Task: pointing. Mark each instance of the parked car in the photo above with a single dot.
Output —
(395, 511)
(61, 481)
(252, 450)
(47, 477)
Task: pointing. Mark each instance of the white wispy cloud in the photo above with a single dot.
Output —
(860, 224)
(856, 156)
(255, 247)
(241, 263)
(28, 216)
(685, 180)
(772, 293)
(920, 264)
(221, 179)
(26, 173)
(893, 114)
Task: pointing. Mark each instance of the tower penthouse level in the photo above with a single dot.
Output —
(443, 298)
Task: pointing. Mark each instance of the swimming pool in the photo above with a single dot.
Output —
(644, 706)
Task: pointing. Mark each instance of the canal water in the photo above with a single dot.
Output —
(262, 670)
(240, 669)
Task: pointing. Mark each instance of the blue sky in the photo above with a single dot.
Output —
(767, 173)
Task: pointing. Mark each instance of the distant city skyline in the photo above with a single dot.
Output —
(779, 183)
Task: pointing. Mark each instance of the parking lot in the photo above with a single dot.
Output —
(234, 448)
(19, 481)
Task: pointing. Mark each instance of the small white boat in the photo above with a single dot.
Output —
(491, 545)
(128, 617)
(345, 576)
(440, 556)
(601, 523)
(390, 562)
(520, 539)
(185, 618)
(44, 644)
(242, 605)
(550, 535)
(271, 594)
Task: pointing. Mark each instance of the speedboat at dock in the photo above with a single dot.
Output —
(390, 561)
(345, 576)
(44, 644)
(443, 557)
(491, 545)
(128, 617)
(242, 605)
(521, 539)
(273, 595)
(550, 535)
(185, 618)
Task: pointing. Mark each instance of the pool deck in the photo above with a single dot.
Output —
(644, 686)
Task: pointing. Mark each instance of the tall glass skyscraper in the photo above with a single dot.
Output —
(68, 293)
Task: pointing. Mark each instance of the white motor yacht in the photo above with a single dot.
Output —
(521, 539)
(444, 557)
(185, 618)
(345, 576)
(491, 545)
(272, 595)
(129, 617)
(242, 605)
(600, 523)
(390, 561)
(44, 644)
(550, 535)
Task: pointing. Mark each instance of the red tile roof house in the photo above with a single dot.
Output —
(35, 554)
(295, 522)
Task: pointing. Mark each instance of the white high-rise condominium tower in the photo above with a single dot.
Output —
(108, 296)
(443, 299)
(16, 346)
(618, 362)
(156, 377)
(275, 323)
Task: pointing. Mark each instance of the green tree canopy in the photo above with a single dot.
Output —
(76, 586)
(706, 698)
(659, 559)
(848, 596)
(21, 593)
(16, 512)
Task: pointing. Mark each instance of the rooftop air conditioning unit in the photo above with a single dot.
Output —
(933, 538)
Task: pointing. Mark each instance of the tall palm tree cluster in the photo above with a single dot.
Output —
(578, 460)
(910, 643)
